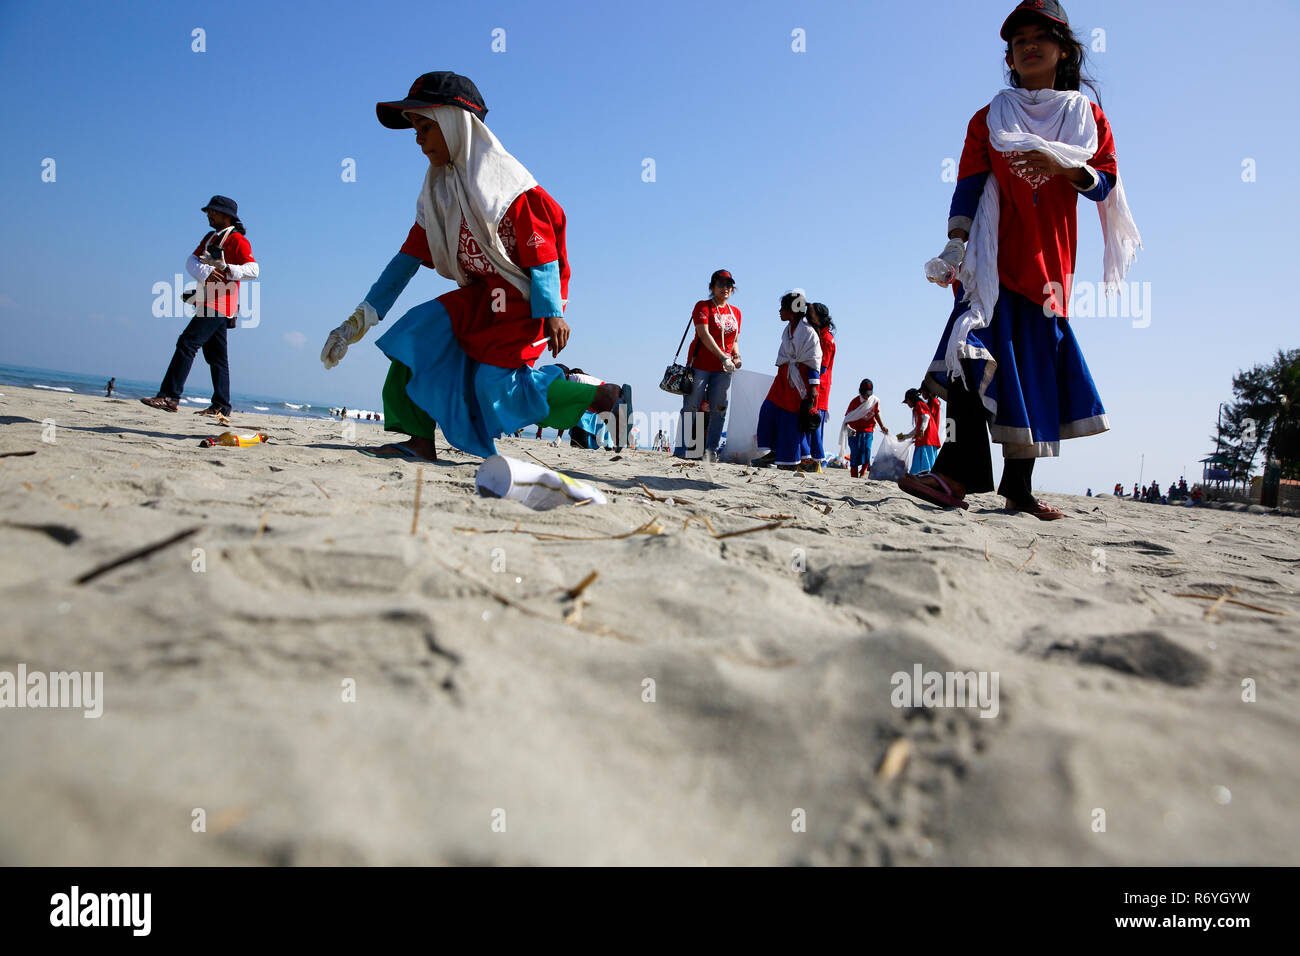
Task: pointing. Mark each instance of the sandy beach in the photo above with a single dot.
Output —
(328, 685)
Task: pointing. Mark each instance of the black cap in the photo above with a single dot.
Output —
(911, 395)
(1028, 9)
(722, 275)
(433, 89)
(223, 204)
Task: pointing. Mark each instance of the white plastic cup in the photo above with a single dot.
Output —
(539, 488)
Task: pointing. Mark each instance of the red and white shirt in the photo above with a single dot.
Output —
(1037, 229)
(872, 419)
(532, 231)
(220, 292)
(723, 327)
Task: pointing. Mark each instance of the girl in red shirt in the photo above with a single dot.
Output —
(464, 361)
(819, 315)
(715, 355)
(1008, 355)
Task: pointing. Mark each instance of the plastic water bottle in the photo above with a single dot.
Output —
(233, 440)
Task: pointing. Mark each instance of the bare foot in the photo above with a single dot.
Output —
(424, 447)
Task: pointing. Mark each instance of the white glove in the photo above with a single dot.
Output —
(349, 333)
(942, 269)
(728, 365)
(210, 260)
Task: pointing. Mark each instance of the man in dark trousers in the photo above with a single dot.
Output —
(223, 257)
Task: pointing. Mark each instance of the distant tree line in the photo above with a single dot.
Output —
(1264, 416)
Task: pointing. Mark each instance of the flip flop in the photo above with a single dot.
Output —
(1040, 510)
(913, 486)
(394, 450)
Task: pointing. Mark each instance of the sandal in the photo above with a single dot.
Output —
(162, 402)
(1039, 509)
(942, 496)
(213, 412)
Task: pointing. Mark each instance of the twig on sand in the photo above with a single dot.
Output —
(261, 526)
(322, 490)
(894, 760)
(650, 527)
(535, 458)
(762, 527)
(986, 553)
(780, 516)
(577, 589)
(701, 518)
(574, 621)
(1027, 560)
(1224, 599)
(419, 484)
(136, 555)
(654, 497)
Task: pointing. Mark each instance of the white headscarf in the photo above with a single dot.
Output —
(1061, 124)
(478, 186)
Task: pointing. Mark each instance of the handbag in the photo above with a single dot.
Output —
(679, 379)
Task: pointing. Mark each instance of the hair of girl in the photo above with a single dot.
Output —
(823, 314)
(792, 299)
(1070, 72)
(239, 228)
(863, 385)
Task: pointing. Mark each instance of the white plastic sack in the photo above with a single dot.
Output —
(748, 389)
(537, 487)
(892, 458)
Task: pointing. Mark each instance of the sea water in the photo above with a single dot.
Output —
(78, 383)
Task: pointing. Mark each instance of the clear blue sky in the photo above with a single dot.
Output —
(819, 169)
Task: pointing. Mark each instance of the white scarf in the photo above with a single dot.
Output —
(1061, 124)
(799, 347)
(869, 405)
(478, 187)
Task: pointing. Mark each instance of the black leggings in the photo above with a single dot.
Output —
(966, 456)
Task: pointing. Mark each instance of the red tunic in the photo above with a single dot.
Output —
(869, 423)
(724, 327)
(828, 365)
(1037, 232)
(931, 436)
(784, 395)
(532, 232)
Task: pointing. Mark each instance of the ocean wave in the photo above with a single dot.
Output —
(292, 405)
(53, 388)
(261, 408)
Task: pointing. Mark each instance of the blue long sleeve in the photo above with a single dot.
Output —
(544, 290)
(391, 282)
(1099, 192)
(966, 197)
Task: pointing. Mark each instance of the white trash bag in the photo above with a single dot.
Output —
(892, 459)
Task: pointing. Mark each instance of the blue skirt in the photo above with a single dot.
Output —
(472, 403)
(779, 431)
(1031, 377)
